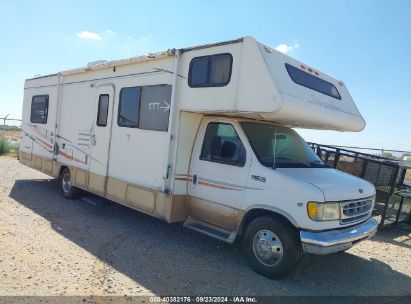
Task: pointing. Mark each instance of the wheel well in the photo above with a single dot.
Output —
(61, 170)
(257, 212)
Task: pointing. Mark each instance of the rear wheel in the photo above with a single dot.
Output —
(67, 189)
(271, 246)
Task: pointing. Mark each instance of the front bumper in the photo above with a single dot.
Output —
(331, 241)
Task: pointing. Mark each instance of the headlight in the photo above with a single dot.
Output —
(323, 211)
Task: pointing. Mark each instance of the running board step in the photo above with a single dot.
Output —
(210, 230)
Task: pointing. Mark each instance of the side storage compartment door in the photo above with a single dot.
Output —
(100, 139)
(219, 170)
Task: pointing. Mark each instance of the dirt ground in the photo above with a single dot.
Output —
(53, 246)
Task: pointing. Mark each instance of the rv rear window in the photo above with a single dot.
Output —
(210, 71)
(129, 107)
(314, 83)
(39, 109)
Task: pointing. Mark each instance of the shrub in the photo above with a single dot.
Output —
(4, 146)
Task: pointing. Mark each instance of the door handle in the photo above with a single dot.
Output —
(194, 179)
(93, 139)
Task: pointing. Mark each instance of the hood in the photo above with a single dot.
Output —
(336, 185)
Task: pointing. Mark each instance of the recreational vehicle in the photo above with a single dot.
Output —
(204, 136)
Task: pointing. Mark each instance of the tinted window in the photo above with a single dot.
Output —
(39, 109)
(220, 69)
(310, 81)
(199, 70)
(129, 107)
(103, 102)
(222, 145)
(155, 107)
(210, 71)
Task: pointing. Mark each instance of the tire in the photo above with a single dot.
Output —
(67, 189)
(272, 246)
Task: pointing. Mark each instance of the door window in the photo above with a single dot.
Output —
(129, 107)
(222, 145)
(103, 102)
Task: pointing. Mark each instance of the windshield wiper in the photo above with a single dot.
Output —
(292, 161)
(318, 164)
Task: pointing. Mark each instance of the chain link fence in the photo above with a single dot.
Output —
(10, 131)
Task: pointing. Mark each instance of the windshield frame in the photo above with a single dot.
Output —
(318, 163)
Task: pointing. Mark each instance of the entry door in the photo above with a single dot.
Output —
(219, 173)
(100, 139)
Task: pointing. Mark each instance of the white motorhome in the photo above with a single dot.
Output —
(203, 135)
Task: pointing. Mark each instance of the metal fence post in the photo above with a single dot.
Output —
(4, 125)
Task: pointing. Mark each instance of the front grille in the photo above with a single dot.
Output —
(354, 219)
(354, 211)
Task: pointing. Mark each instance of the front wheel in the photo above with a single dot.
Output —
(272, 246)
(67, 189)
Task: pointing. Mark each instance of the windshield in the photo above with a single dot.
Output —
(280, 147)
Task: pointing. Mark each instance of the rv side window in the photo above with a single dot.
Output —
(155, 107)
(129, 107)
(39, 109)
(222, 145)
(103, 102)
(309, 81)
(146, 108)
(210, 71)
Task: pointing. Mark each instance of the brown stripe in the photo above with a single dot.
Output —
(183, 179)
(71, 157)
(217, 186)
(45, 143)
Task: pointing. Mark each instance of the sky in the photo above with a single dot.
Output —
(367, 44)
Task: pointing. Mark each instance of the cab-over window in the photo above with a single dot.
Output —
(210, 71)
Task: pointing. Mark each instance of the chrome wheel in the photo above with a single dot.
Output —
(267, 248)
(66, 184)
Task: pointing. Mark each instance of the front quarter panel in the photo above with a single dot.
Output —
(274, 190)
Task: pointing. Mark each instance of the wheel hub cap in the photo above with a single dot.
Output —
(267, 247)
(66, 182)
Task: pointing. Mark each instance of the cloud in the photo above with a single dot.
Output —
(89, 35)
(286, 48)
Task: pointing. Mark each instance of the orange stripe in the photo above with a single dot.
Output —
(71, 157)
(183, 179)
(66, 155)
(217, 186)
(45, 143)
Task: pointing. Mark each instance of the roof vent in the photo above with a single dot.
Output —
(96, 63)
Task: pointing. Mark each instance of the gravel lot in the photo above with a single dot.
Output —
(53, 246)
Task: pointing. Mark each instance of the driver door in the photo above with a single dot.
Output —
(219, 171)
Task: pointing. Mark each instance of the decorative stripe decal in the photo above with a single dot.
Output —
(235, 186)
(37, 141)
(45, 143)
(69, 157)
(183, 177)
(217, 186)
(214, 184)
